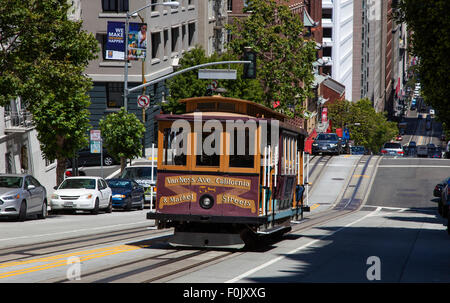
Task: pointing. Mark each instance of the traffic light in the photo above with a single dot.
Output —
(250, 68)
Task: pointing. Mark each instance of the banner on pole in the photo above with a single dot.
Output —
(115, 43)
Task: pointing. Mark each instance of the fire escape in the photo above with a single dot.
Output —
(219, 26)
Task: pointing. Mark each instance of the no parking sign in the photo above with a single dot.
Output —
(143, 101)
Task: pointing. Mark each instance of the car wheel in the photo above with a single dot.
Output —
(23, 211)
(109, 208)
(44, 212)
(445, 213)
(448, 225)
(108, 161)
(96, 206)
(129, 204)
(141, 206)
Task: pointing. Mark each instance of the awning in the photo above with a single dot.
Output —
(308, 21)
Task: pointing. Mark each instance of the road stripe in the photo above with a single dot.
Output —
(415, 166)
(99, 253)
(74, 231)
(273, 261)
(314, 206)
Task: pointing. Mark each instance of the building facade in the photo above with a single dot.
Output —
(337, 47)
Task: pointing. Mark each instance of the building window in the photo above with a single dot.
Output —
(230, 5)
(191, 29)
(327, 32)
(166, 42)
(327, 70)
(175, 34)
(327, 13)
(115, 5)
(114, 94)
(102, 39)
(154, 7)
(327, 51)
(183, 36)
(156, 41)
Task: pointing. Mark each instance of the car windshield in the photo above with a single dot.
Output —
(392, 145)
(139, 173)
(78, 183)
(327, 137)
(119, 183)
(11, 182)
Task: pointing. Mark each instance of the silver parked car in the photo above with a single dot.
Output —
(392, 149)
(22, 195)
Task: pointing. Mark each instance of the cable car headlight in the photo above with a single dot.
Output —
(206, 201)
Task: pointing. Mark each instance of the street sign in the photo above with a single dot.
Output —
(227, 74)
(143, 101)
(95, 135)
(96, 147)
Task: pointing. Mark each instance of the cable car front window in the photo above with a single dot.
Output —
(172, 156)
(204, 159)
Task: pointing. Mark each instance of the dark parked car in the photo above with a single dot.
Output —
(142, 174)
(22, 195)
(438, 188)
(444, 202)
(358, 150)
(327, 143)
(126, 194)
(86, 158)
(435, 152)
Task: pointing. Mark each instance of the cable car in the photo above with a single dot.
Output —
(229, 172)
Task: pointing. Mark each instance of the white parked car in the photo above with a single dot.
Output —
(82, 193)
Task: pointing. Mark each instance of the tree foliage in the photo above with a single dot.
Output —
(367, 127)
(42, 60)
(430, 41)
(284, 56)
(187, 85)
(122, 134)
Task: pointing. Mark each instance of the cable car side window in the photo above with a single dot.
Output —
(246, 160)
(173, 151)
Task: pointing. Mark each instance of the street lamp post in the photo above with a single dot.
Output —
(173, 4)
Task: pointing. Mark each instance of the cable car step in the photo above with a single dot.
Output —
(272, 230)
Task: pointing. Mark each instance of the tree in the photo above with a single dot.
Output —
(43, 59)
(284, 57)
(122, 134)
(187, 85)
(367, 127)
(430, 41)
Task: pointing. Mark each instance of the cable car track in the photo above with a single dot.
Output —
(167, 263)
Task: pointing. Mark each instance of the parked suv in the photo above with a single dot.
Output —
(327, 143)
(392, 149)
(142, 174)
(86, 158)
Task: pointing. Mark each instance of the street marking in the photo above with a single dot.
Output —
(415, 166)
(73, 231)
(273, 261)
(89, 255)
(314, 206)
(360, 176)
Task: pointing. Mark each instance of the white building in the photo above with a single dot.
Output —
(337, 23)
(19, 147)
